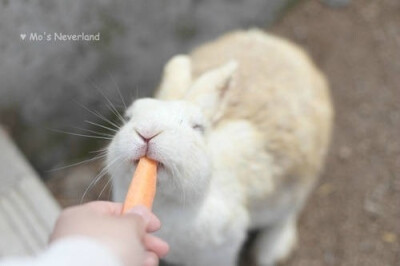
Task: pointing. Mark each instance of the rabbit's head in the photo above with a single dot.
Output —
(173, 130)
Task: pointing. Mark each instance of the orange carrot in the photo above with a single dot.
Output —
(143, 185)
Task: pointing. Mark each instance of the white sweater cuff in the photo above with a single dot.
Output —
(75, 251)
(81, 251)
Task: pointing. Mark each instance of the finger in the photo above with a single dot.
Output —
(156, 245)
(150, 259)
(104, 207)
(154, 224)
(142, 212)
(140, 217)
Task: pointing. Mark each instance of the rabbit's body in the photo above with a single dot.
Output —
(266, 144)
(280, 93)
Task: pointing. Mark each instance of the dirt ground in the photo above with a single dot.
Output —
(353, 216)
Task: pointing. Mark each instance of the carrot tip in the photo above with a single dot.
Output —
(142, 188)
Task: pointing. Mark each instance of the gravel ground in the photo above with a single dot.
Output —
(353, 216)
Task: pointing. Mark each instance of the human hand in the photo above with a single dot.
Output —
(126, 235)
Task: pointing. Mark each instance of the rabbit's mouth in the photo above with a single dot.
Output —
(160, 165)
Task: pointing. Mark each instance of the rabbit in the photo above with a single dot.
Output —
(240, 129)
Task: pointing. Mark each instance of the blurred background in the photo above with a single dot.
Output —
(353, 216)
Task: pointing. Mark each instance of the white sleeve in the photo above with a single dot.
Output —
(76, 251)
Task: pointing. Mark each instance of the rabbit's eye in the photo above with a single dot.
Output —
(198, 127)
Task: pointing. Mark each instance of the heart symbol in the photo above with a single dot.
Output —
(23, 36)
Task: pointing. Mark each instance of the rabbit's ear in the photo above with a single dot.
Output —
(208, 89)
(177, 78)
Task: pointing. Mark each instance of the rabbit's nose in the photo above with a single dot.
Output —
(147, 135)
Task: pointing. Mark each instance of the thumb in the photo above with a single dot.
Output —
(141, 211)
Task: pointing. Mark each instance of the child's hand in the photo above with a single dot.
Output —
(126, 235)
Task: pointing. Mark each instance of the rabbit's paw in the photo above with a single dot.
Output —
(274, 244)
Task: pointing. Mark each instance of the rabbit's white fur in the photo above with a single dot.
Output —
(241, 129)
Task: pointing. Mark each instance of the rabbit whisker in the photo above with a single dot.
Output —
(104, 188)
(97, 114)
(80, 135)
(110, 105)
(118, 90)
(99, 125)
(101, 134)
(99, 176)
(78, 163)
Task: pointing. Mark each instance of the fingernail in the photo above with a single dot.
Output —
(142, 212)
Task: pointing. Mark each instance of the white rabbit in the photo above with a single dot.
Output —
(240, 130)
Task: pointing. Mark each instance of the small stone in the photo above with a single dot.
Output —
(366, 246)
(389, 237)
(329, 258)
(336, 3)
(372, 207)
(345, 152)
(325, 189)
